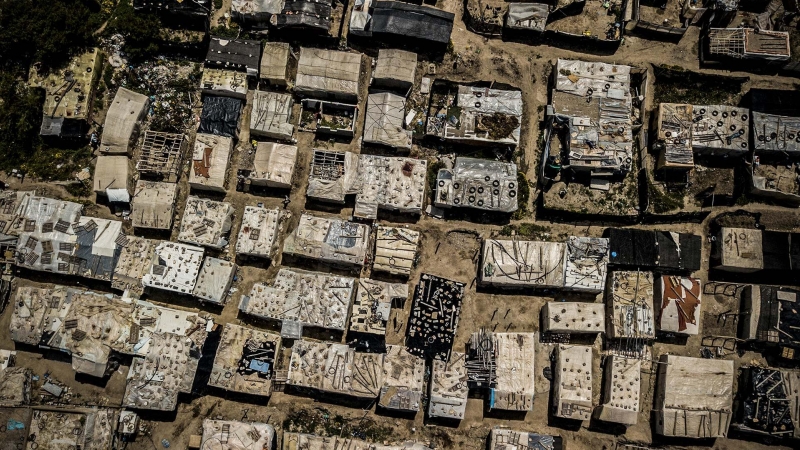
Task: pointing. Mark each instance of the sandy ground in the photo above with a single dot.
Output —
(448, 249)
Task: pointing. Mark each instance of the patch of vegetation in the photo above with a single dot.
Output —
(682, 86)
(527, 230)
(230, 31)
(79, 190)
(499, 126)
(433, 171)
(142, 31)
(663, 201)
(322, 422)
(217, 4)
(523, 196)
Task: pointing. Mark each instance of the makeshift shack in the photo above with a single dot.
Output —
(15, 382)
(403, 383)
(395, 69)
(680, 302)
(776, 134)
(664, 251)
(622, 390)
(505, 439)
(434, 317)
(693, 397)
(720, 130)
(122, 122)
(259, 231)
(527, 16)
(738, 250)
(234, 435)
(89, 429)
(273, 165)
(372, 307)
(395, 184)
(153, 204)
(630, 305)
(528, 264)
(300, 441)
(594, 101)
(475, 115)
(214, 280)
(335, 369)
(573, 317)
(328, 74)
(161, 155)
(503, 363)
(210, 162)
(69, 95)
(234, 54)
(394, 20)
(769, 315)
(245, 361)
(395, 250)
(586, 264)
(329, 240)
(135, 260)
(749, 44)
(206, 222)
(174, 268)
(385, 121)
(332, 176)
(448, 388)
(271, 115)
(224, 82)
(300, 299)
(220, 116)
(769, 406)
(111, 173)
(572, 383)
(477, 183)
(255, 13)
(275, 63)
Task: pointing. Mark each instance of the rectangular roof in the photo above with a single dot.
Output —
(515, 355)
(373, 303)
(775, 133)
(448, 389)
(238, 347)
(322, 71)
(234, 435)
(679, 302)
(622, 390)
(395, 250)
(434, 317)
(210, 162)
(271, 115)
(572, 386)
(273, 165)
(586, 264)
(512, 263)
(395, 65)
(69, 90)
(311, 298)
(135, 260)
(175, 267)
(206, 222)
(110, 172)
(694, 397)
(412, 21)
(574, 317)
(274, 61)
(122, 119)
(466, 185)
(259, 231)
(330, 240)
(336, 369)
(333, 175)
(631, 314)
(214, 280)
(224, 82)
(385, 120)
(402, 388)
(153, 204)
(234, 54)
(384, 182)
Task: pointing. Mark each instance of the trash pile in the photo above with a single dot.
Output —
(172, 89)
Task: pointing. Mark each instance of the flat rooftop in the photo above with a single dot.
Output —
(175, 267)
(586, 264)
(434, 317)
(395, 250)
(209, 163)
(448, 388)
(679, 304)
(335, 369)
(622, 390)
(403, 383)
(69, 91)
(478, 183)
(273, 165)
(311, 298)
(214, 280)
(630, 298)
(693, 397)
(574, 317)
(89, 429)
(234, 435)
(245, 361)
(300, 441)
(572, 386)
(259, 231)
(513, 263)
(395, 184)
(373, 304)
(329, 240)
(153, 204)
(135, 259)
(332, 176)
(206, 222)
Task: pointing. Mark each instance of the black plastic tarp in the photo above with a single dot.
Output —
(631, 248)
(678, 251)
(775, 247)
(657, 250)
(305, 14)
(220, 116)
(233, 53)
(412, 21)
